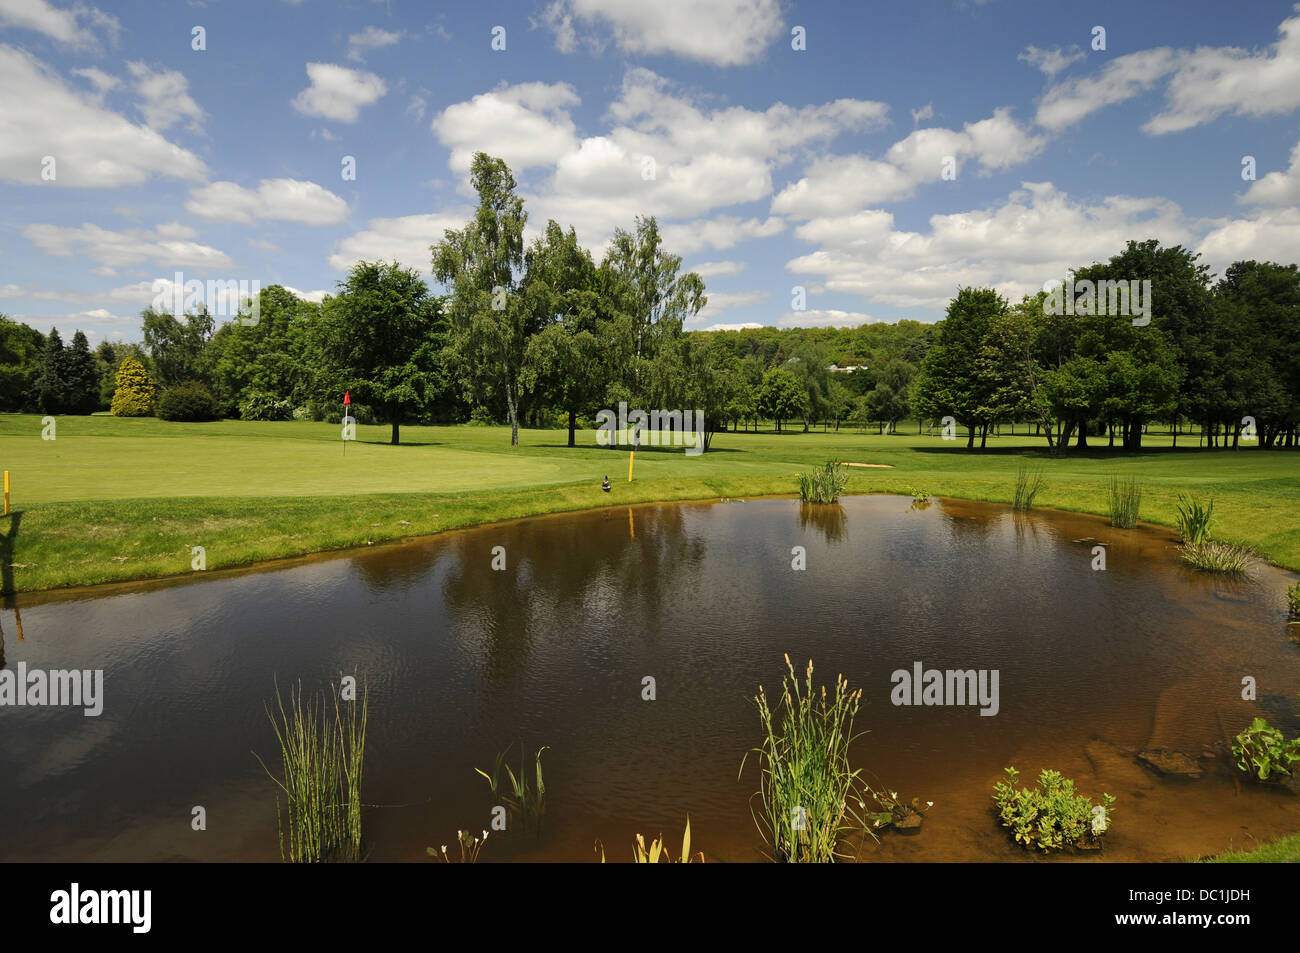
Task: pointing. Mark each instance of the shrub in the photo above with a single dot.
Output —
(1193, 519)
(1293, 600)
(1262, 751)
(824, 484)
(482, 417)
(135, 392)
(1211, 556)
(1125, 502)
(190, 401)
(1052, 816)
(260, 405)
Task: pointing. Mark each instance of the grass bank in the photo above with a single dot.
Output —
(1283, 851)
(114, 500)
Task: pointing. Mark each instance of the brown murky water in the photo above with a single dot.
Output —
(461, 660)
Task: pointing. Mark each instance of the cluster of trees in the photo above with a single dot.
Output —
(541, 334)
(40, 374)
(1216, 355)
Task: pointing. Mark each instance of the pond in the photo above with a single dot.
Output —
(461, 660)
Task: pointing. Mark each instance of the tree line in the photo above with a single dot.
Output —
(541, 334)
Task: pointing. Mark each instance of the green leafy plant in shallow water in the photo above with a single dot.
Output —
(1193, 519)
(522, 794)
(1293, 602)
(1052, 816)
(1263, 752)
(657, 853)
(824, 484)
(808, 792)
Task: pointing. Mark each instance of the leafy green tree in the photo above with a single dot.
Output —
(482, 265)
(21, 350)
(271, 355)
(951, 381)
(782, 396)
(135, 391)
(1259, 308)
(177, 349)
(378, 339)
(890, 400)
(646, 284)
(810, 363)
(564, 361)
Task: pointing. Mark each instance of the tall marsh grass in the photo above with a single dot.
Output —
(322, 754)
(807, 788)
(824, 484)
(1125, 498)
(1029, 483)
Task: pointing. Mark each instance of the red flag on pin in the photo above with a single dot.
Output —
(347, 398)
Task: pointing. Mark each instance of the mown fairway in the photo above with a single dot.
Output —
(116, 499)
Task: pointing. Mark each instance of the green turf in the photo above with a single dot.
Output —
(1286, 850)
(116, 499)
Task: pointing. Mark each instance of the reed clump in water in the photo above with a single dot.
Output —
(1198, 549)
(824, 484)
(322, 753)
(1125, 498)
(807, 787)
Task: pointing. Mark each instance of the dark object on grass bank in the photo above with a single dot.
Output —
(604, 484)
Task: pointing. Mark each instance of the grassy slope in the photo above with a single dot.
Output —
(118, 499)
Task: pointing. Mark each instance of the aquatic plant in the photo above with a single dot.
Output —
(1125, 498)
(1028, 485)
(1211, 556)
(1193, 519)
(322, 757)
(918, 495)
(824, 484)
(656, 853)
(1262, 751)
(1293, 601)
(806, 785)
(523, 801)
(470, 847)
(1051, 816)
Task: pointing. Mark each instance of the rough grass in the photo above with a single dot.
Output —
(115, 499)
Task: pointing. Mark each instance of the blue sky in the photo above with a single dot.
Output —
(909, 149)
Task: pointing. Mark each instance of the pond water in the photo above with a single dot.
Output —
(461, 660)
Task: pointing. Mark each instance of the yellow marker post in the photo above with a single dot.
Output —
(631, 458)
(6, 493)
